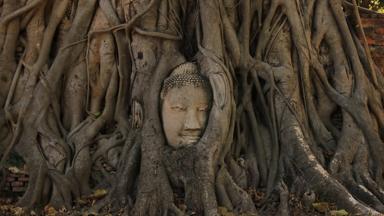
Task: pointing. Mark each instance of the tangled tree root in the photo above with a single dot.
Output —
(295, 96)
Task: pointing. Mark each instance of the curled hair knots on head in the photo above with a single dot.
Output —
(185, 74)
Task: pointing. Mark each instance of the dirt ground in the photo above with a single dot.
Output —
(265, 207)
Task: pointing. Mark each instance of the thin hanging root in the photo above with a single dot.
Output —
(44, 53)
(366, 48)
(153, 192)
(276, 30)
(60, 64)
(303, 158)
(124, 66)
(271, 119)
(9, 34)
(366, 129)
(245, 29)
(265, 31)
(276, 73)
(302, 44)
(231, 39)
(83, 138)
(21, 11)
(126, 26)
(361, 115)
(57, 14)
(259, 144)
(358, 110)
(350, 50)
(55, 73)
(12, 89)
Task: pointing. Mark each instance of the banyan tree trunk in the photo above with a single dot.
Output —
(295, 98)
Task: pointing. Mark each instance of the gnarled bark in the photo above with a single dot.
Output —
(295, 96)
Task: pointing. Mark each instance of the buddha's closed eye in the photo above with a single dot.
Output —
(179, 108)
(202, 108)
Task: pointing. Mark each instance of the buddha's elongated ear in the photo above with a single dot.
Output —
(162, 95)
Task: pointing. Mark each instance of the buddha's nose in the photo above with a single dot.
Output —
(191, 121)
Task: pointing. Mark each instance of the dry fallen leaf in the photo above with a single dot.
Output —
(81, 201)
(224, 211)
(321, 207)
(99, 193)
(340, 212)
(14, 169)
(50, 210)
(18, 211)
(90, 214)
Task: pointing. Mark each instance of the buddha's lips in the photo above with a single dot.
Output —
(190, 138)
(190, 133)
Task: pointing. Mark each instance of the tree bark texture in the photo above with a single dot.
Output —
(295, 97)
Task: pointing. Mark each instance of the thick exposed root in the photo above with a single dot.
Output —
(232, 196)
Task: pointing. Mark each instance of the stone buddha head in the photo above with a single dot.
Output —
(185, 104)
